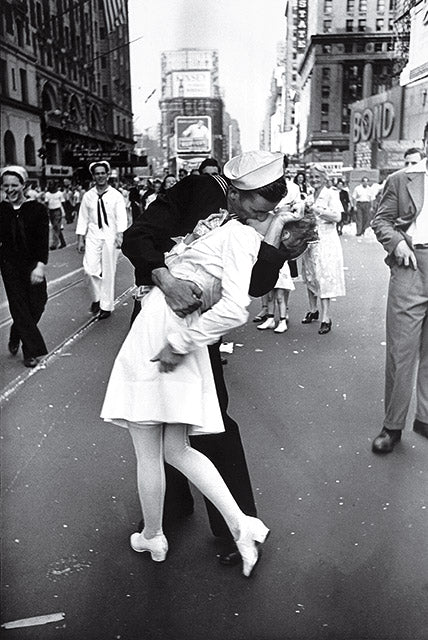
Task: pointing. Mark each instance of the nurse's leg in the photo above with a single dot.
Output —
(148, 445)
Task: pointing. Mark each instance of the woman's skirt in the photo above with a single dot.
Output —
(138, 392)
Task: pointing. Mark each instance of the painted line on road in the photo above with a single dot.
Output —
(53, 355)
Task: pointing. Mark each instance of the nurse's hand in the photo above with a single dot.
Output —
(183, 296)
(168, 360)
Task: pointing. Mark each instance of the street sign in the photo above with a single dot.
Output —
(117, 158)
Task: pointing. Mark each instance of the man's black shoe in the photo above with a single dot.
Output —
(13, 347)
(386, 440)
(230, 557)
(31, 362)
(104, 314)
(95, 307)
(420, 427)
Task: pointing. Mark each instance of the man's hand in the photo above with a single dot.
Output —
(168, 360)
(81, 244)
(405, 256)
(182, 296)
(38, 273)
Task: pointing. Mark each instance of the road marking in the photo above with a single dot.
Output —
(9, 390)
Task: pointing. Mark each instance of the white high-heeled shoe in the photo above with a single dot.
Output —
(251, 532)
(157, 546)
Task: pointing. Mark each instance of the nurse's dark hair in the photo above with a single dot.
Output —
(426, 131)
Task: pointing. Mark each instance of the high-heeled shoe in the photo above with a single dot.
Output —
(311, 315)
(325, 327)
(157, 546)
(251, 532)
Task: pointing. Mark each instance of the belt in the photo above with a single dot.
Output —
(421, 246)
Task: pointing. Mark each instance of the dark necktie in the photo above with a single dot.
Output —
(100, 206)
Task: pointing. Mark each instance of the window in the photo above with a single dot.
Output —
(24, 85)
(350, 6)
(39, 15)
(20, 33)
(29, 151)
(327, 26)
(13, 79)
(349, 25)
(325, 75)
(9, 148)
(3, 78)
(325, 92)
(362, 24)
(9, 18)
(379, 24)
(380, 7)
(392, 5)
(326, 48)
(103, 62)
(362, 6)
(328, 6)
(391, 24)
(349, 47)
(102, 33)
(378, 47)
(105, 91)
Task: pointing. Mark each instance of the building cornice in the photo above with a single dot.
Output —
(341, 38)
(21, 106)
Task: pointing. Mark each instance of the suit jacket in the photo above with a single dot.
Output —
(400, 203)
(176, 213)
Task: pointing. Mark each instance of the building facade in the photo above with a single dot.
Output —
(65, 88)
(349, 56)
(192, 109)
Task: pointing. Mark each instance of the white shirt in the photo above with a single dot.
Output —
(114, 205)
(54, 200)
(362, 194)
(418, 230)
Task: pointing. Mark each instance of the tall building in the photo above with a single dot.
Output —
(349, 56)
(191, 107)
(65, 85)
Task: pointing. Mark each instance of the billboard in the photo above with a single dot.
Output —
(193, 134)
(191, 84)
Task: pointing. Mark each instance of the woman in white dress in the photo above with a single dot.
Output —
(322, 264)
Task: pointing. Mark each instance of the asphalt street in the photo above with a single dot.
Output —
(347, 558)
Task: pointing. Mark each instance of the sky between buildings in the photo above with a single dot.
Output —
(245, 33)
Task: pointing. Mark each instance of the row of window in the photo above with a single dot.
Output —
(359, 47)
(9, 146)
(351, 5)
(360, 25)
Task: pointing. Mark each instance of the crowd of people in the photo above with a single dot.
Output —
(206, 243)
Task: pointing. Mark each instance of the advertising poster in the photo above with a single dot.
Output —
(193, 134)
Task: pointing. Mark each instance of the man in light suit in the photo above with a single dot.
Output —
(401, 225)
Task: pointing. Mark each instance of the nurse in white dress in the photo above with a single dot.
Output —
(322, 264)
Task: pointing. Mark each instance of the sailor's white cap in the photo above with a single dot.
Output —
(254, 169)
(100, 163)
(19, 171)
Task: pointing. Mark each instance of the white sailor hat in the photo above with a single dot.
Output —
(17, 170)
(254, 169)
(100, 163)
